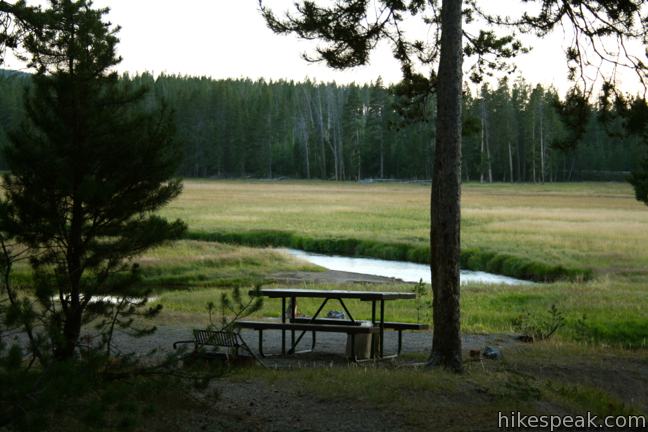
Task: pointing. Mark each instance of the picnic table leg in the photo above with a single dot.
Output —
(293, 309)
(346, 310)
(382, 327)
(373, 322)
(283, 320)
(296, 342)
(261, 343)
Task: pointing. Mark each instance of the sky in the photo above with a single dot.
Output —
(229, 39)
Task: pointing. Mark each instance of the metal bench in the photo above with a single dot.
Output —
(400, 327)
(304, 327)
(220, 339)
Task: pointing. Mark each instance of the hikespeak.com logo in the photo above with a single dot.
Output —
(515, 420)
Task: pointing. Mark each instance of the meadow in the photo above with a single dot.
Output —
(596, 227)
(589, 227)
(596, 363)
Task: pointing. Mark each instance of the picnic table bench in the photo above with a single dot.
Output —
(218, 338)
(313, 328)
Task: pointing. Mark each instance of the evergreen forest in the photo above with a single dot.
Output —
(239, 128)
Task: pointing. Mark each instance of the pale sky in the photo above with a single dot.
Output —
(229, 39)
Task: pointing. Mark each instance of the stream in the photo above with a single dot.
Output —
(406, 271)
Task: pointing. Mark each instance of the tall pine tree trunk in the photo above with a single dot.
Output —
(488, 160)
(510, 153)
(542, 146)
(485, 145)
(269, 144)
(446, 194)
(533, 156)
(482, 157)
(382, 157)
(323, 136)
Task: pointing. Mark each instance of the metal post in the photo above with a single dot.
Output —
(283, 320)
(382, 326)
(293, 308)
(373, 312)
(373, 323)
(261, 343)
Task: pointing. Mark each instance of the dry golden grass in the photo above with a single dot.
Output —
(192, 264)
(593, 225)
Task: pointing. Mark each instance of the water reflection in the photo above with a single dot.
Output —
(406, 271)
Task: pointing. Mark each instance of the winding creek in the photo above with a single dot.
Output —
(406, 271)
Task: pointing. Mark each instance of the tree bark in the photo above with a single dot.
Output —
(446, 195)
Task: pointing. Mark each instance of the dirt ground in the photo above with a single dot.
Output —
(553, 378)
(279, 402)
(329, 277)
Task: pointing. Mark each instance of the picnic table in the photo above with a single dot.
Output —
(349, 325)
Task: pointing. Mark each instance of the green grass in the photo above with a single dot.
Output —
(614, 314)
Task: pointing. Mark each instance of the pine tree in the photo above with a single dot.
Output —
(88, 169)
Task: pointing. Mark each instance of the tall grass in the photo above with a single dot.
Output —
(545, 232)
(195, 264)
(471, 259)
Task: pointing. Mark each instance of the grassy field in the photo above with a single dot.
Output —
(595, 226)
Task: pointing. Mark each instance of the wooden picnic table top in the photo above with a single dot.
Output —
(333, 294)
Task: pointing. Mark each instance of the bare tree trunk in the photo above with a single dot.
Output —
(483, 139)
(323, 135)
(382, 157)
(533, 156)
(445, 246)
(484, 143)
(332, 128)
(542, 146)
(510, 152)
(488, 159)
(304, 137)
(269, 145)
(359, 154)
(340, 139)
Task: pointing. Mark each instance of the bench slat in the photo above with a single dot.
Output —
(388, 324)
(269, 325)
(332, 321)
(216, 338)
(406, 326)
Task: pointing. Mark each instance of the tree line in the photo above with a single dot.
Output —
(513, 131)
